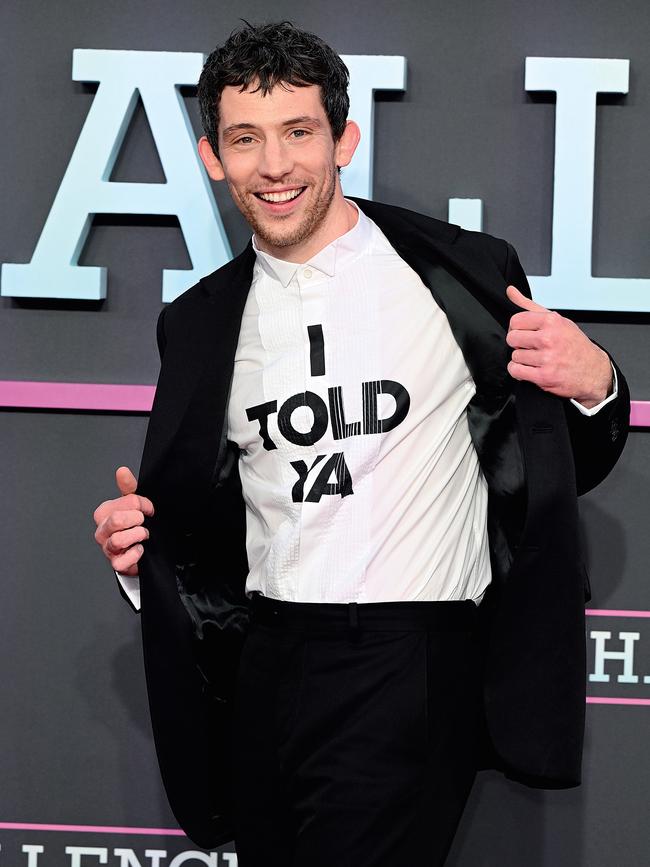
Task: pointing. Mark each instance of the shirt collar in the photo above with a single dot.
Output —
(329, 261)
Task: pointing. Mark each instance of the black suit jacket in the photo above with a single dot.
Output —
(537, 453)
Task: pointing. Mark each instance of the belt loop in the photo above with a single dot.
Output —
(353, 619)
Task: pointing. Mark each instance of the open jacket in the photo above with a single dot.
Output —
(536, 451)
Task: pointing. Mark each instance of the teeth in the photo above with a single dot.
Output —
(280, 197)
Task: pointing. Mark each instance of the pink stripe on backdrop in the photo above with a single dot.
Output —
(91, 829)
(76, 395)
(640, 413)
(592, 699)
(19, 394)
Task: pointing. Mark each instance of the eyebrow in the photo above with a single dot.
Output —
(246, 125)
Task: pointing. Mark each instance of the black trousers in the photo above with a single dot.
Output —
(356, 733)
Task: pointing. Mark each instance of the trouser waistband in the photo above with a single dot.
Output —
(379, 616)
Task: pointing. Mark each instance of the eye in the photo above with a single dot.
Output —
(245, 139)
(299, 133)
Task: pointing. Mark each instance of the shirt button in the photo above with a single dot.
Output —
(307, 272)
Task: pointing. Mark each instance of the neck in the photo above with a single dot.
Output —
(340, 218)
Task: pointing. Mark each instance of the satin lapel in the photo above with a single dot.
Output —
(194, 381)
(471, 291)
(468, 286)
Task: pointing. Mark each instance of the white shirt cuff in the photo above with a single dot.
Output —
(131, 586)
(599, 406)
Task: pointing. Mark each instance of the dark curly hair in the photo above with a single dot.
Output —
(273, 54)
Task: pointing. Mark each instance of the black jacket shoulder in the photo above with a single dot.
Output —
(403, 220)
(209, 288)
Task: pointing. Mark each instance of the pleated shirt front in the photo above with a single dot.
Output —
(348, 404)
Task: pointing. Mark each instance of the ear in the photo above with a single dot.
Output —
(347, 144)
(211, 162)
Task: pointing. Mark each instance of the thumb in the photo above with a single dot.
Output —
(521, 301)
(126, 481)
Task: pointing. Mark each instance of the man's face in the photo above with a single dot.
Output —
(279, 159)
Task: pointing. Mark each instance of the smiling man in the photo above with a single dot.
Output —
(279, 158)
(354, 541)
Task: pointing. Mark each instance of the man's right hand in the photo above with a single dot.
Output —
(119, 522)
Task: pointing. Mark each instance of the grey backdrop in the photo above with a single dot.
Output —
(75, 745)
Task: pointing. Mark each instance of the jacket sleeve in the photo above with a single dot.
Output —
(597, 440)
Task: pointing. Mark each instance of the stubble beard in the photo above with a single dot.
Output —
(270, 231)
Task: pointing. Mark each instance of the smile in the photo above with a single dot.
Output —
(284, 196)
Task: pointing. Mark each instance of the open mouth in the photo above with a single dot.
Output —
(281, 197)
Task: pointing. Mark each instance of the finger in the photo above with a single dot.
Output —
(529, 357)
(525, 372)
(521, 300)
(128, 559)
(102, 511)
(124, 503)
(540, 376)
(145, 505)
(134, 501)
(119, 504)
(131, 572)
(118, 542)
(531, 320)
(126, 481)
(117, 521)
(519, 339)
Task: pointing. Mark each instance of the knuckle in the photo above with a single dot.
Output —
(100, 511)
(130, 537)
(118, 562)
(131, 556)
(134, 518)
(129, 520)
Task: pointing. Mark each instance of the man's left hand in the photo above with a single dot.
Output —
(554, 354)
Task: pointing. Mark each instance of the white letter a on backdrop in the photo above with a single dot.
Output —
(86, 189)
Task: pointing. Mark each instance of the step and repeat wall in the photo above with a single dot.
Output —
(529, 121)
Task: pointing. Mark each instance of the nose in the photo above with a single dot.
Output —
(276, 160)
